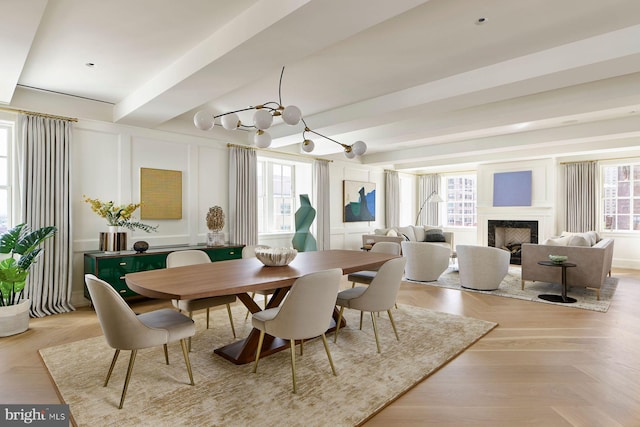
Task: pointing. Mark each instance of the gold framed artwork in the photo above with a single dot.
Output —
(160, 194)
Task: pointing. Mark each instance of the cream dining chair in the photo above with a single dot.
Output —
(366, 276)
(192, 257)
(124, 330)
(250, 252)
(304, 314)
(379, 296)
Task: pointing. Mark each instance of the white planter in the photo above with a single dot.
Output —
(14, 319)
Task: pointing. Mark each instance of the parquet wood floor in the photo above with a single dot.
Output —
(544, 365)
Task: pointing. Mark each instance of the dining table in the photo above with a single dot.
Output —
(241, 277)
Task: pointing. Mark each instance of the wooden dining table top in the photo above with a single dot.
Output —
(245, 275)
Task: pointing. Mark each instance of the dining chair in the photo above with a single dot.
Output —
(250, 252)
(366, 276)
(304, 314)
(125, 330)
(192, 257)
(379, 296)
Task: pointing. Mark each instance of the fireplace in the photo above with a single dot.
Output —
(509, 235)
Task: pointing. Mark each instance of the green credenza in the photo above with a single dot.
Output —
(112, 267)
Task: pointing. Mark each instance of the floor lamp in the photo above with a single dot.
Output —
(434, 197)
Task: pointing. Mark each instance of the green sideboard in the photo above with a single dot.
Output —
(112, 267)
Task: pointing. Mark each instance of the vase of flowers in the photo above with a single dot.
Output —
(118, 217)
(215, 224)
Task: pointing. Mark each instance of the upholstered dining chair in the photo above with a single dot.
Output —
(366, 276)
(249, 251)
(304, 314)
(124, 330)
(192, 257)
(379, 296)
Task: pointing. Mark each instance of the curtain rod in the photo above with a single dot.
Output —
(33, 113)
(246, 147)
(602, 160)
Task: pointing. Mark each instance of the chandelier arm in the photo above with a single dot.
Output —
(234, 111)
(326, 137)
(280, 86)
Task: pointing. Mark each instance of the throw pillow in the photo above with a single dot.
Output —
(578, 240)
(392, 233)
(434, 235)
(557, 241)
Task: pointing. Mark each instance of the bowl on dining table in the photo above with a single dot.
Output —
(558, 259)
(276, 257)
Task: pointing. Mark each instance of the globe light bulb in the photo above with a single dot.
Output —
(349, 154)
(291, 115)
(308, 145)
(262, 139)
(262, 119)
(230, 121)
(203, 120)
(359, 148)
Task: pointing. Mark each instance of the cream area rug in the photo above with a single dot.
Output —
(230, 395)
(511, 288)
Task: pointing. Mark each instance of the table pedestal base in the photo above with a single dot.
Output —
(557, 298)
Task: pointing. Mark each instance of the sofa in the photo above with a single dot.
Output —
(591, 254)
(411, 233)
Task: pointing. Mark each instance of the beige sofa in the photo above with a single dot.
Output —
(593, 263)
(413, 234)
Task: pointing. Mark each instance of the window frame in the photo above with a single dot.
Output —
(444, 211)
(9, 126)
(267, 201)
(634, 214)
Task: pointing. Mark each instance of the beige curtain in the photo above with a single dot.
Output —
(427, 184)
(581, 196)
(44, 188)
(392, 198)
(322, 202)
(243, 196)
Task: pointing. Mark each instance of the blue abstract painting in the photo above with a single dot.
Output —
(359, 201)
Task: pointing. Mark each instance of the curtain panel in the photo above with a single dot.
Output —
(322, 195)
(581, 192)
(392, 199)
(243, 196)
(44, 188)
(428, 213)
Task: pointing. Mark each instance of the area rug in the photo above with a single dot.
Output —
(229, 395)
(511, 288)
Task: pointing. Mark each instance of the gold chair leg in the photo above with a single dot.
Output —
(375, 330)
(393, 325)
(293, 363)
(233, 329)
(335, 336)
(132, 359)
(253, 294)
(190, 317)
(255, 366)
(361, 314)
(522, 285)
(265, 301)
(326, 348)
(186, 360)
(166, 353)
(113, 363)
(301, 347)
(208, 317)
(353, 284)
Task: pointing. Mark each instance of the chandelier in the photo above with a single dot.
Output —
(263, 119)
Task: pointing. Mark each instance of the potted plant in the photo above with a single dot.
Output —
(19, 248)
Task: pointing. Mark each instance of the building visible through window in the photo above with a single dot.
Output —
(621, 197)
(461, 201)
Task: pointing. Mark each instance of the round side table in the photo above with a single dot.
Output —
(559, 298)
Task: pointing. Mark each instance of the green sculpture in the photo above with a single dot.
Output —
(303, 240)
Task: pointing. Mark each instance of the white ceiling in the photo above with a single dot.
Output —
(419, 81)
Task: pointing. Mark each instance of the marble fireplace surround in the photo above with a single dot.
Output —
(502, 232)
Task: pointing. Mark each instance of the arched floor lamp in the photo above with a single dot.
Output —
(434, 197)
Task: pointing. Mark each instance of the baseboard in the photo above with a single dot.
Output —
(632, 264)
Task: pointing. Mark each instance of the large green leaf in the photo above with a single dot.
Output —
(9, 239)
(30, 241)
(10, 271)
(26, 260)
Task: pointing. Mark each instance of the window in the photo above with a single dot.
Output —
(461, 200)
(276, 196)
(5, 173)
(621, 197)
